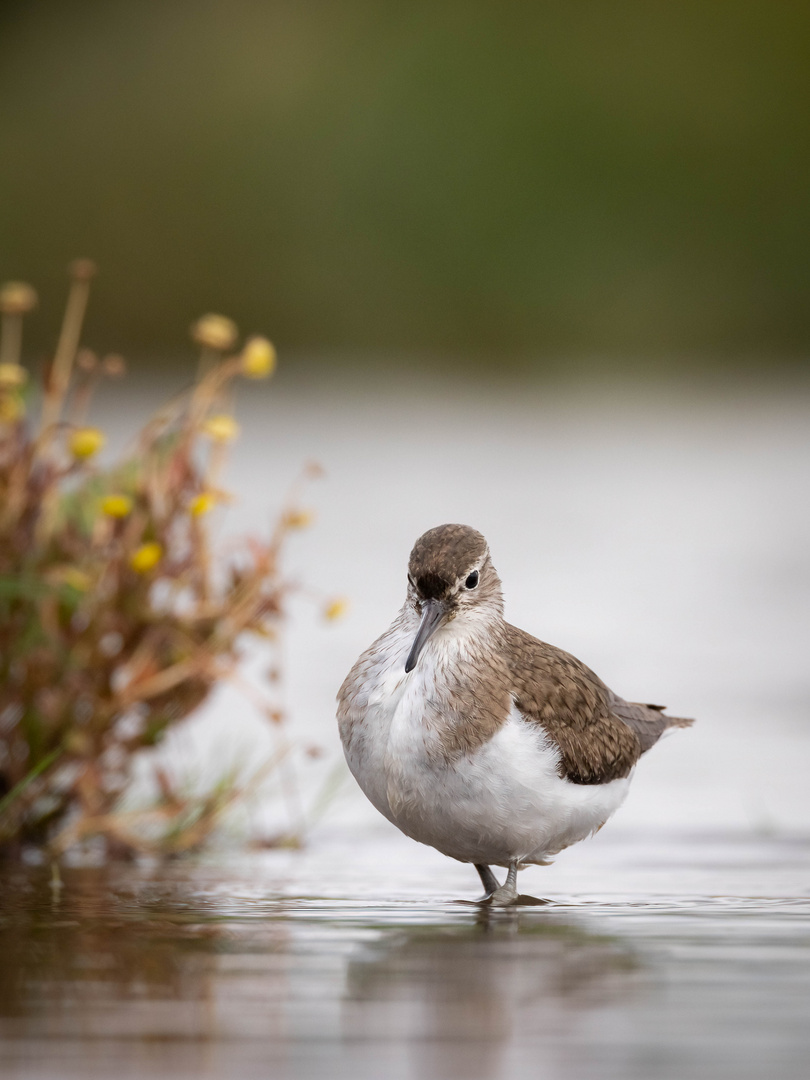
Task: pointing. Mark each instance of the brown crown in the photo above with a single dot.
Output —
(442, 555)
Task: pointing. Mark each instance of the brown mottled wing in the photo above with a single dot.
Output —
(600, 736)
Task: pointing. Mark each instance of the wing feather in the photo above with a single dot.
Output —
(600, 735)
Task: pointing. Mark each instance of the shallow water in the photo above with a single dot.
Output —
(245, 968)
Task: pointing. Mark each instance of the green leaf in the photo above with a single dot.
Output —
(20, 787)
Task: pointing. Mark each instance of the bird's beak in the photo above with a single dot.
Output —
(433, 615)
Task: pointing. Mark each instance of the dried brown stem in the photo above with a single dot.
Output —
(11, 338)
(82, 271)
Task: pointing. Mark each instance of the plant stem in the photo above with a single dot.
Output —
(11, 338)
(67, 345)
(20, 787)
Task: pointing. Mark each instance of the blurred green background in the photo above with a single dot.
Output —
(503, 182)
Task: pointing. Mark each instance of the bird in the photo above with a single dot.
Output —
(478, 739)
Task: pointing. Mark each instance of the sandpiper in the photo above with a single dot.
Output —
(476, 738)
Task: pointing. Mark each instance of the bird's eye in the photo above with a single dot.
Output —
(472, 580)
(411, 582)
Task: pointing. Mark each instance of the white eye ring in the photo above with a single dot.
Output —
(472, 580)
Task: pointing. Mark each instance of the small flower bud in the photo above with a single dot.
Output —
(82, 270)
(214, 332)
(298, 519)
(12, 408)
(86, 360)
(203, 503)
(258, 358)
(114, 366)
(12, 375)
(77, 744)
(221, 427)
(146, 557)
(336, 608)
(86, 442)
(17, 298)
(76, 579)
(116, 506)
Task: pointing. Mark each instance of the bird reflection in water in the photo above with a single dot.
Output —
(465, 998)
(180, 971)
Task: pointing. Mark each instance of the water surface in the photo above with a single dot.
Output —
(243, 968)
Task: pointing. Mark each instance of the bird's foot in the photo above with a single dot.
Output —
(504, 896)
(519, 900)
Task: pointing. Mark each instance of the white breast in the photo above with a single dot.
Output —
(502, 803)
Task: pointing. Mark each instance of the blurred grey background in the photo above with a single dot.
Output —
(541, 186)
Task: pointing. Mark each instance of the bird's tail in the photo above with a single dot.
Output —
(678, 721)
(671, 721)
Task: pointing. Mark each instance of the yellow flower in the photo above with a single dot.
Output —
(76, 579)
(298, 519)
(85, 442)
(116, 506)
(69, 575)
(214, 332)
(258, 358)
(146, 557)
(336, 608)
(12, 408)
(221, 427)
(78, 743)
(202, 503)
(12, 375)
(16, 298)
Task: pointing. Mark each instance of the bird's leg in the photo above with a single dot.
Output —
(488, 880)
(507, 893)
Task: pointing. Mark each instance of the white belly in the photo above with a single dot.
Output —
(502, 803)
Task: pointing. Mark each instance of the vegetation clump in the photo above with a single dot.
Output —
(115, 620)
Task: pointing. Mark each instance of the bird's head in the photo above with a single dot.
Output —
(450, 575)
